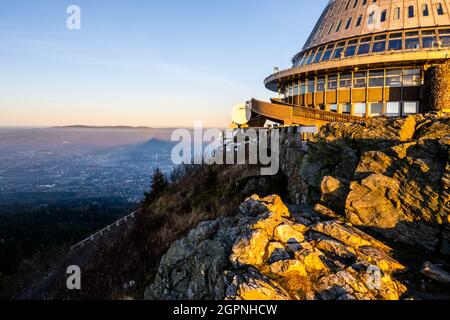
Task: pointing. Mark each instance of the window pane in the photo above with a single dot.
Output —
(394, 81)
(411, 11)
(310, 59)
(337, 53)
(428, 42)
(376, 73)
(379, 46)
(395, 35)
(346, 108)
(395, 44)
(393, 109)
(411, 71)
(310, 85)
(327, 55)
(412, 43)
(350, 51)
(411, 80)
(320, 84)
(333, 108)
(303, 87)
(394, 77)
(412, 77)
(360, 109)
(332, 82)
(345, 80)
(412, 34)
(397, 13)
(360, 80)
(376, 82)
(376, 108)
(298, 62)
(445, 40)
(410, 107)
(306, 58)
(394, 72)
(428, 32)
(364, 48)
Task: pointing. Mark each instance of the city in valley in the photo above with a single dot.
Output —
(55, 164)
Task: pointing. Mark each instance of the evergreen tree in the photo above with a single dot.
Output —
(158, 185)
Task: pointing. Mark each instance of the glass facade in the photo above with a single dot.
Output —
(390, 77)
(376, 79)
(391, 41)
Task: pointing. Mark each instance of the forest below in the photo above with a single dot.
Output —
(34, 237)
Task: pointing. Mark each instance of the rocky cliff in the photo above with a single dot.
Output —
(389, 175)
(388, 178)
(271, 252)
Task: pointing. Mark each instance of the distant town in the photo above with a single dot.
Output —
(39, 170)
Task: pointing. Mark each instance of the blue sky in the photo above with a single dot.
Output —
(157, 62)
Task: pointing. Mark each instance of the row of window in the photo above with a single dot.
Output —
(362, 79)
(349, 4)
(394, 41)
(391, 109)
(383, 16)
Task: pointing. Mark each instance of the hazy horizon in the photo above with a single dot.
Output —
(142, 63)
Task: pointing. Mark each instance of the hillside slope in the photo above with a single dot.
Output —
(389, 177)
(359, 196)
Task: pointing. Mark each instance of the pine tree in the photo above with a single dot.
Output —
(158, 185)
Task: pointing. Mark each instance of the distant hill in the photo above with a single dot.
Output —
(102, 127)
(80, 137)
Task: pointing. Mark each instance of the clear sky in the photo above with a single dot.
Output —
(143, 62)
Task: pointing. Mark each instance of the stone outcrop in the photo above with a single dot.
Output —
(436, 273)
(268, 252)
(390, 175)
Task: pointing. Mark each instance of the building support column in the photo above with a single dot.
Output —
(367, 95)
(437, 91)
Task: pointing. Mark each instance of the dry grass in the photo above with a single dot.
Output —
(207, 194)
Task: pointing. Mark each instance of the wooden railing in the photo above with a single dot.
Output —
(326, 116)
(278, 110)
(123, 221)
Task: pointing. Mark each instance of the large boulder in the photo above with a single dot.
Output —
(402, 191)
(391, 175)
(334, 193)
(268, 252)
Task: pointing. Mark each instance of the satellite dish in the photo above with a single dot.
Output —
(241, 113)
